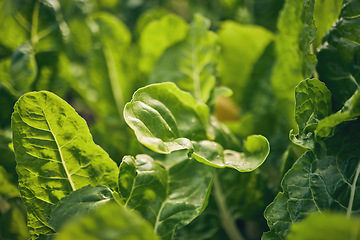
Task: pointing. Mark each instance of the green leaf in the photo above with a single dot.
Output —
(164, 118)
(313, 103)
(294, 62)
(170, 193)
(313, 112)
(161, 33)
(23, 68)
(11, 27)
(13, 221)
(7, 188)
(320, 181)
(78, 203)
(326, 227)
(256, 149)
(98, 47)
(55, 155)
(191, 63)
(338, 57)
(350, 111)
(325, 14)
(110, 222)
(246, 41)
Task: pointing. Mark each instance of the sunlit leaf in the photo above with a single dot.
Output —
(55, 155)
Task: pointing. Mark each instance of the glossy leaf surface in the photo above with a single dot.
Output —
(166, 119)
(256, 149)
(170, 193)
(55, 155)
(111, 222)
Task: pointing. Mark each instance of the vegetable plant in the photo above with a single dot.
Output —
(156, 120)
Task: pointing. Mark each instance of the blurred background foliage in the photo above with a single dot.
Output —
(96, 53)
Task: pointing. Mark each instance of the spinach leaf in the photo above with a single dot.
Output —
(78, 203)
(294, 61)
(112, 222)
(325, 178)
(55, 155)
(166, 119)
(169, 193)
(338, 56)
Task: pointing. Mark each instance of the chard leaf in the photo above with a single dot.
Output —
(313, 103)
(78, 203)
(256, 149)
(313, 112)
(319, 181)
(350, 111)
(169, 194)
(325, 14)
(191, 63)
(246, 41)
(294, 62)
(338, 57)
(112, 222)
(55, 155)
(166, 119)
(326, 227)
(161, 33)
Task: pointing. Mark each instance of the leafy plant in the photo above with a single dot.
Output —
(185, 99)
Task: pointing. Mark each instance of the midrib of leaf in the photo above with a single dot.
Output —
(114, 80)
(196, 74)
(157, 221)
(227, 221)
(34, 25)
(352, 193)
(60, 153)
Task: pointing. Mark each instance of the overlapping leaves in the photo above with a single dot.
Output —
(170, 193)
(55, 155)
(166, 119)
(326, 177)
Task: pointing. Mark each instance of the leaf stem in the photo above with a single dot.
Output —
(68, 175)
(352, 193)
(34, 25)
(196, 74)
(114, 80)
(227, 221)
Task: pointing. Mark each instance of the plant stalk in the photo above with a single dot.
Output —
(34, 25)
(352, 193)
(227, 221)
